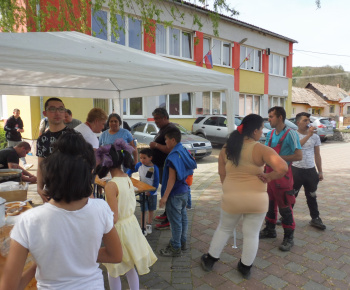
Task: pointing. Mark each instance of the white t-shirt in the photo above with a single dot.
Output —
(308, 150)
(65, 244)
(88, 135)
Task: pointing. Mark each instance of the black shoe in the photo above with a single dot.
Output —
(288, 242)
(184, 247)
(170, 251)
(317, 223)
(269, 232)
(208, 262)
(244, 270)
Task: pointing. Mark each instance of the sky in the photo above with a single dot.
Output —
(323, 30)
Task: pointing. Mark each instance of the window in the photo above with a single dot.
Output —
(173, 41)
(177, 104)
(348, 110)
(277, 101)
(277, 65)
(99, 30)
(129, 32)
(133, 106)
(221, 51)
(102, 104)
(214, 103)
(249, 104)
(331, 108)
(250, 58)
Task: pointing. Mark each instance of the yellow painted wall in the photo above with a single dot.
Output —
(289, 100)
(23, 104)
(187, 123)
(251, 82)
(35, 116)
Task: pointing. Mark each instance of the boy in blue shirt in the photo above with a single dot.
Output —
(149, 173)
(178, 165)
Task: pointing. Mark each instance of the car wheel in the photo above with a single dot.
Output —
(324, 139)
(200, 135)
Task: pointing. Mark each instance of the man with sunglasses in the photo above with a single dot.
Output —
(55, 113)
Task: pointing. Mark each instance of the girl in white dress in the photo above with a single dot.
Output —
(120, 196)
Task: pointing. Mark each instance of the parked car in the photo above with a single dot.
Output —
(214, 128)
(324, 127)
(144, 132)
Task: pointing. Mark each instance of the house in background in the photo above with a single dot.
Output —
(306, 100)
(260, 61)
(332, 95)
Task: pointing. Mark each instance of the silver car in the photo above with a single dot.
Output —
(144, 132)
(324, 127)
(214, 128)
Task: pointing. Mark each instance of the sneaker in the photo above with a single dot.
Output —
(160, 217)
(163, 226)
(317, 223)
(184, 247)
(169, 251)
(149, 229)
(27, 166)
(208, 262)
(145, 233)
(189, 208)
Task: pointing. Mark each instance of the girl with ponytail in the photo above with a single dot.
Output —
(241, 166)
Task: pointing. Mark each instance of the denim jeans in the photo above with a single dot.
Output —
(189, 199)
(177, 216)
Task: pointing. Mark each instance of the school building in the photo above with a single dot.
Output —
(260, 61)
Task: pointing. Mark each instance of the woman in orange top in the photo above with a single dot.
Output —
(241, 170)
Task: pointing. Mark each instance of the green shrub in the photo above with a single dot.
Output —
(3, 142)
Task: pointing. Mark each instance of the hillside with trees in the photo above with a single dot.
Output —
(326, 75)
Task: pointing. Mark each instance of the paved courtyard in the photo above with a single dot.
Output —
(319, 259)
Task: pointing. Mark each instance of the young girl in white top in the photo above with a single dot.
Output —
(65, 234)
(120, 196)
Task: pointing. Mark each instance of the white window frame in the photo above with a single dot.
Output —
(281, 71)
(211, 103)
(333, 109)
(252, 50)
(253, 102)
(167, 44)
(278, 101)
(126, 21)
(211, 47)
(127, 108)
(167, 102)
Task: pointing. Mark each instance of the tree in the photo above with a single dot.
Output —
(38, 15)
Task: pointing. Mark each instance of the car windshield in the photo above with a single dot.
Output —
(288, 123)
(182, 130)
(238, 121)
(325, 122)
(267, 125)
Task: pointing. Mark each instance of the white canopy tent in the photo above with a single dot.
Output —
(72, 64)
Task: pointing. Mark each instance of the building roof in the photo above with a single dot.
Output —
(307, 96)
(330, 93)
(237, 22)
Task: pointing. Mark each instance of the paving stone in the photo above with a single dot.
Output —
(261, 263)
(198, 272)
(330, 246)
(274, 282)
(299, 242)
(313, 256)
(234, 276)
(205, 287)
(296, 268)
(226, 258)
(334, 273)
(181, 280)
(345, 259)
(183, 286)
(181, 274)
(311, 285)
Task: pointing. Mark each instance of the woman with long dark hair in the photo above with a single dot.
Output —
(241, 165)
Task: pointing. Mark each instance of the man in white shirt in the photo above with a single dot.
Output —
(304, 171)
(95, 122)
